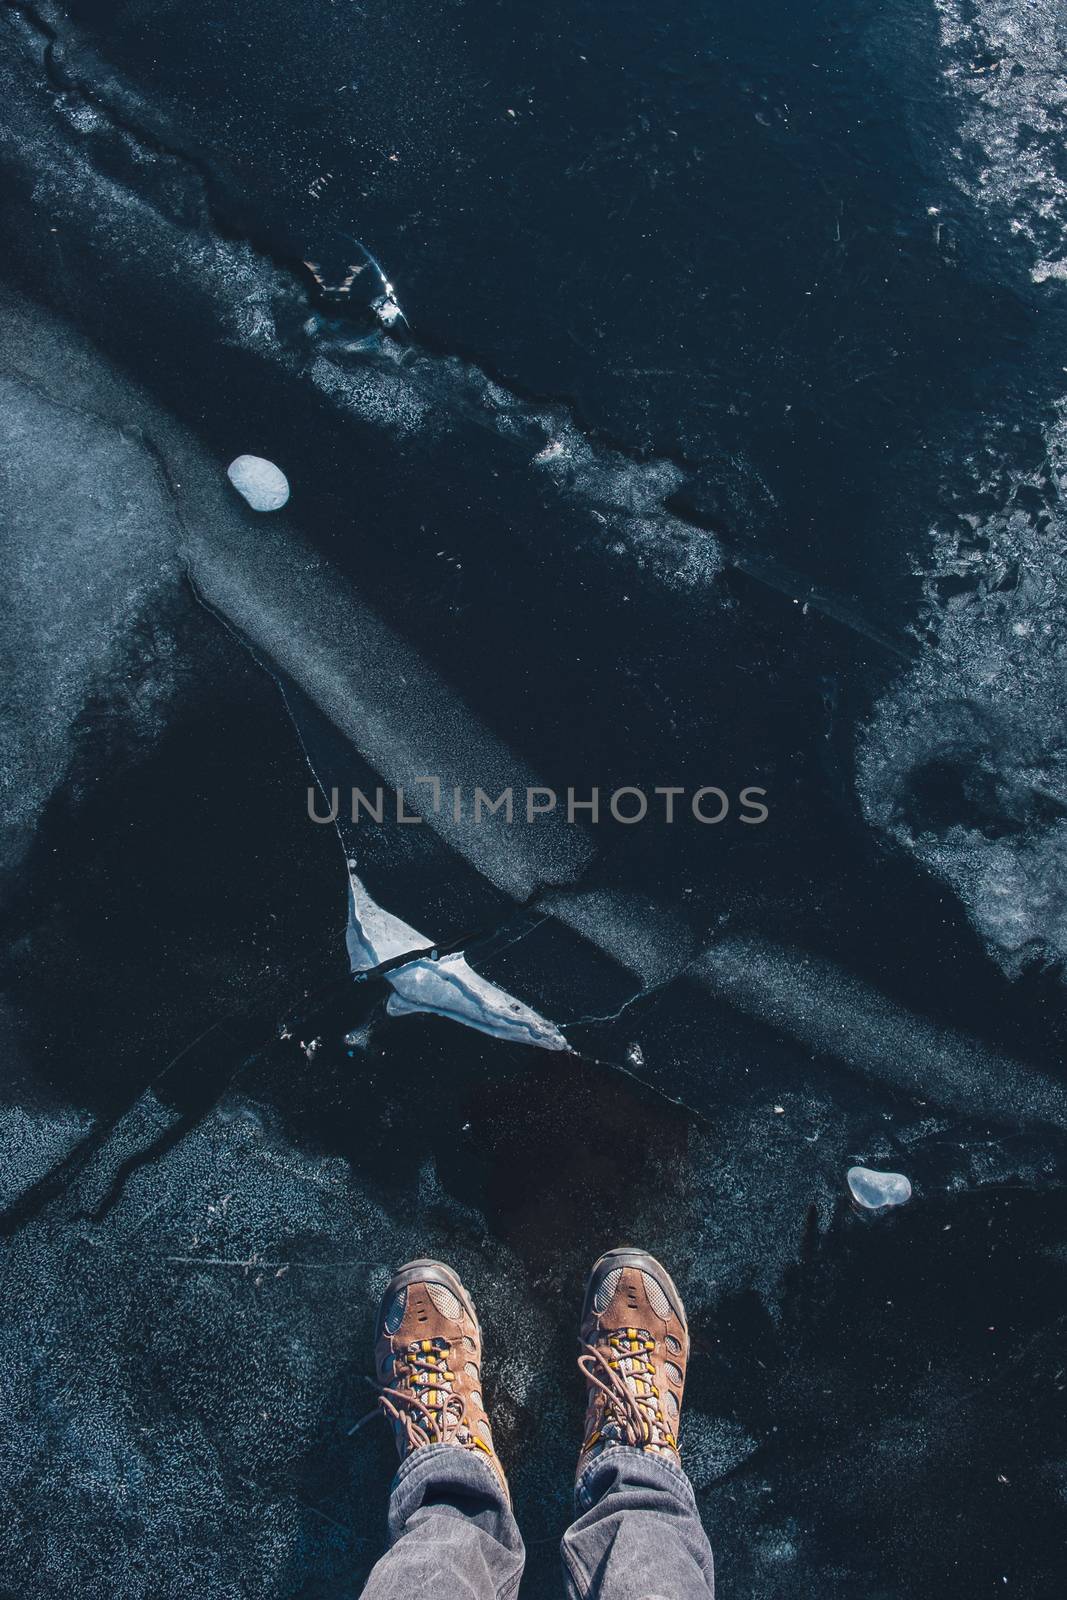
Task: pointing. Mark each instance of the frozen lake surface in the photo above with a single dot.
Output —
(673, 404)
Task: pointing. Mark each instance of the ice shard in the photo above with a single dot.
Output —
(875, 1191)
(443, 986)
(260, 482)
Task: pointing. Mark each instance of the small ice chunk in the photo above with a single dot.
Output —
(260, 482)
(873, 1190)
(387, 310)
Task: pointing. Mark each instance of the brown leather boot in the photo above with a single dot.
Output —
(635, 1346)
(428, 1353)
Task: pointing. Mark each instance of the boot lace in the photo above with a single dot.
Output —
(421, 1400)
(620, 1368)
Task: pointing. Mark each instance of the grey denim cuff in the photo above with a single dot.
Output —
(652, 1468)
(466, 1468)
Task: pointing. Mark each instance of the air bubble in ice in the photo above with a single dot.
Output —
(873, 1190)
(260, 482)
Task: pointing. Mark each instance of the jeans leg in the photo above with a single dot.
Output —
(637, 1534)
(451, 1531)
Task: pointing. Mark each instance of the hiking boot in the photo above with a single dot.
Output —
(634, 1349)
(428, 1355)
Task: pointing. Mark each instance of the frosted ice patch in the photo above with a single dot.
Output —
(89, 539)
(875, 1190)
(33, 1144)
(1006, 64)
(1042, 271)
(444, 987)
(629, 499)
(383, 395)
(963, 762)
(260, 482)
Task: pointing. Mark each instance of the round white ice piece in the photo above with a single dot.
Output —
(263, 485)
(874, 1190)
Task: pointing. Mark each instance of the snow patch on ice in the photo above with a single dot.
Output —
(627, 499)
(384, 397)
(33, 1143)
(1042, 271)
(402, 389)
(1007, 64)
(964, 762)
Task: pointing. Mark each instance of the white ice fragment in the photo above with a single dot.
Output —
(387, 310)
(375, 935)
(260, 482)
(449, 987)
(445, 987)
(873, 1190)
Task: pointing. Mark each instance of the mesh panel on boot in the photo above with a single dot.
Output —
(444, 1301)
(606, 1289)
(656, 1298)
(394, 1315)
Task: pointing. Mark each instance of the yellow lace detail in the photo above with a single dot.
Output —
(421, 1401)
(626, 1377)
